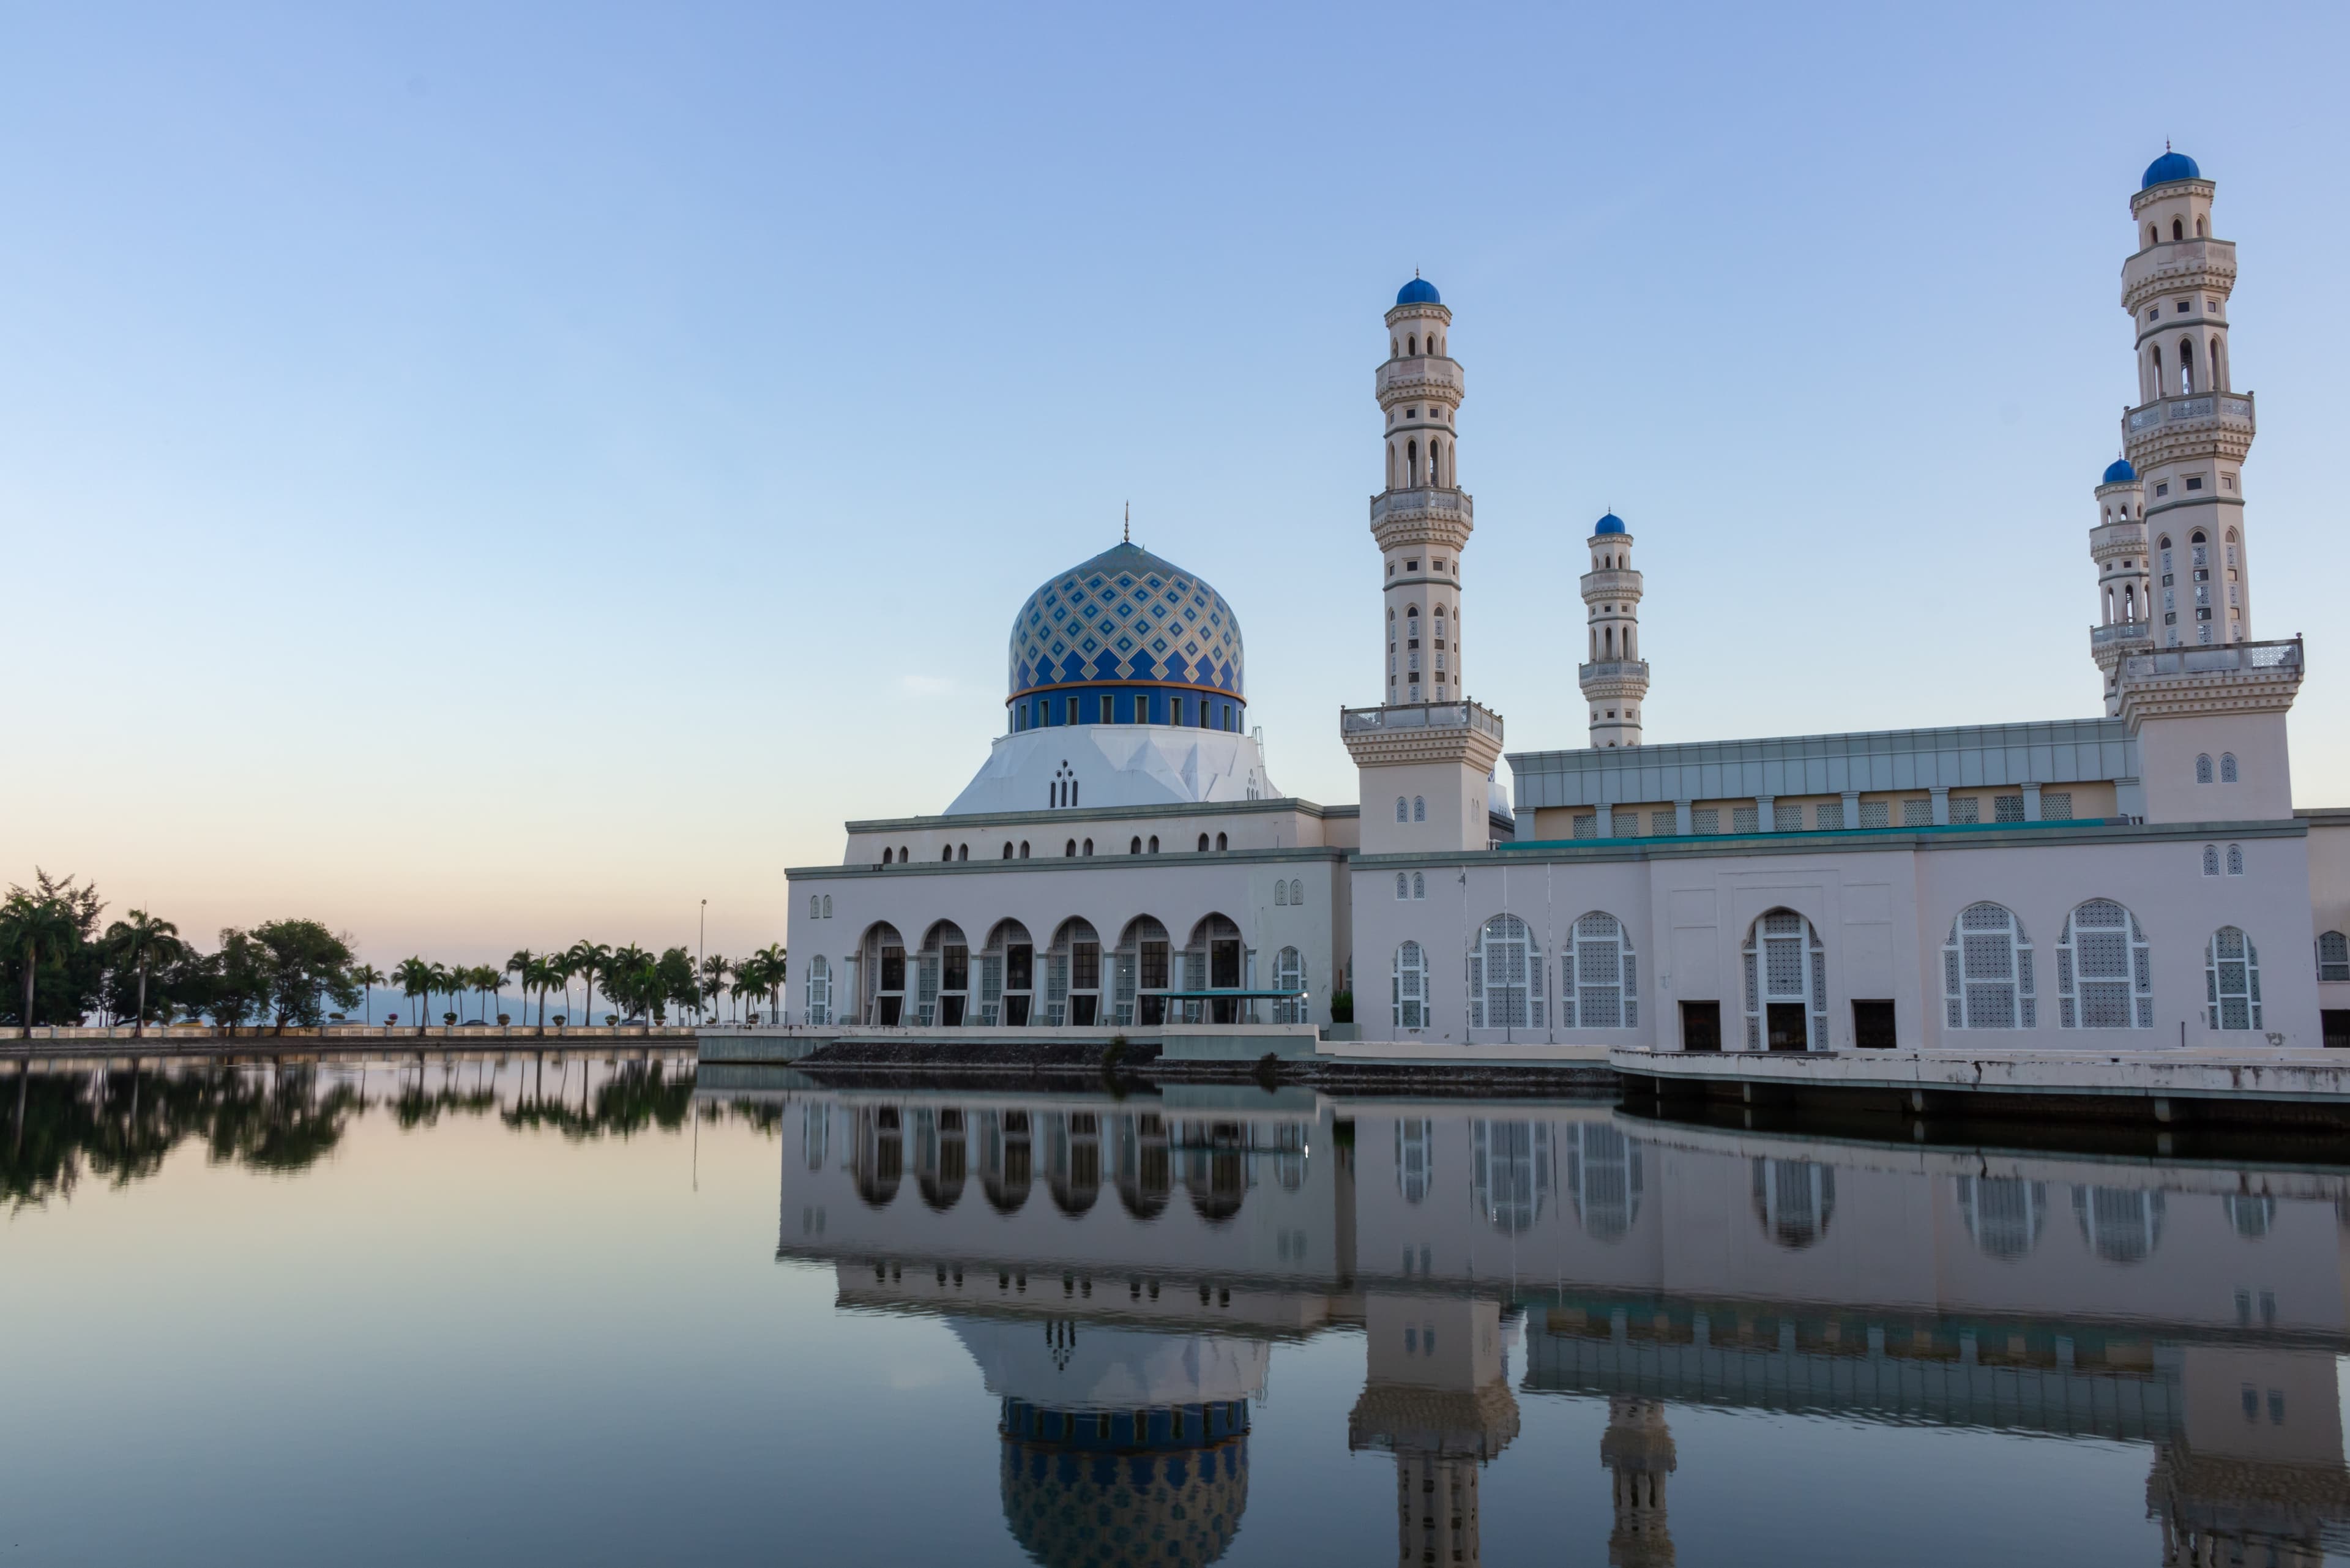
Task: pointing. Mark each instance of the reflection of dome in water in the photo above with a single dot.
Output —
(1162, 1486)
(2004, 1214)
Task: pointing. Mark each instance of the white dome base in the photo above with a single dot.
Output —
(1122, 765)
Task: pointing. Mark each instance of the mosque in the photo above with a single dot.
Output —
(1122, 859)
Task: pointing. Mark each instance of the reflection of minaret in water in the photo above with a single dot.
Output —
(1638, 1453)
(1438, 1398)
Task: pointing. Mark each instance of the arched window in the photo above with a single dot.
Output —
(2199, 230)
(2003, 1214)
(1403, 886)
(1073, 792)
(1598, 978)
(1089, 846)
(1219, 841)
(2235, 860)
(1403, 809)
(1786, 984)
(1412, 345)
(2152, 235)
(1415, 1156)
(819, 992)
(2210, 860)
(1509, 1172)
(962, 852)
(1419, 808)
(1071, 852)
(1297, 891)
(1420, 884)
(2104, 972)
(946, 853)
(2231, 980)
(2333, 956)
(2178, 230)
(2249, 1217)
(2186, 365)
(902, 856)
(1604, 1178)
(1203, 844)
(812, 907)
(1409, 990)
(885, 855)
(2227, 768)
(827, 906)
(1987, 972)
(1411, 464)
(1280, 891)
(2203, 767)
(1289, 975)
(2121, 1224)
(1134, 846)
(1505, 976)
(1007, 849)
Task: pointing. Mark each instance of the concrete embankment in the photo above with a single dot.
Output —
(63, 1042)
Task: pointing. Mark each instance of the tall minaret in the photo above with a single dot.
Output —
(1637, 1450)
(1616, 681)
(1427, 750)
(2187, 438)
(1422, 519)
(2125, 582)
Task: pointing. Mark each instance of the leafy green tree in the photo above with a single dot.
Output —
(307, 965)
(236, 981)
(53, 968)
(674, 981)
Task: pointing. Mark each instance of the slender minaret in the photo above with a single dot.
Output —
(1616, 683)
(2187, 438)
(1427, 750)
(1422, 519)
(2117, 545)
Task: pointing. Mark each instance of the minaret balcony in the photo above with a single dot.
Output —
(1425, 376)
(1421, 716)
(1615, 584)
(2112, 541)
(2176, 265)
(2196, 425)
(1625, 672)
(1426, 504)
(2121, 634)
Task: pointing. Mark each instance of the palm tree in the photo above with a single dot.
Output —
(588, 959)
(771, 965)
(716, 971)
(368, 978)
(445, 981)
(416, 979)
(543, 974)
(519, 967)
(140, 943)
(628, 969)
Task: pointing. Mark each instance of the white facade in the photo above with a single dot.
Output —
(2136, 879)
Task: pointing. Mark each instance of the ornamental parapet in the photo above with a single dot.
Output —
(2156, 432)
(2110, 539)
(1625, 670)
(2177, 264)
(1422, 733)
(2228, 678)
(1611, 583)
(1427, 374)
(2122, 635)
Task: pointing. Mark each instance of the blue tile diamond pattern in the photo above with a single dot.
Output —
(1112, 607)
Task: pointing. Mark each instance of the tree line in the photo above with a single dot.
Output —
(58, 965)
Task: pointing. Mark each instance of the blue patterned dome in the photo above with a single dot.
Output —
(1126, 624)
(2169, 166)
(2119, 472)
(1105, 1490)
(1418, 291)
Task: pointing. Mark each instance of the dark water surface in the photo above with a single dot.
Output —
(585, 1313)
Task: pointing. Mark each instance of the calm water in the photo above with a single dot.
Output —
(573, 1312)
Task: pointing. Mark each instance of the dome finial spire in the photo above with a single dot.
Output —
(1125, 530)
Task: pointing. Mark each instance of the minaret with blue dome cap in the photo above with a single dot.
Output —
(1615, 681)
(2185, 440)
(2125, 602)
(1422, 519)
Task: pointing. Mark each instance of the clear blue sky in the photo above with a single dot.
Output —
(490, 475)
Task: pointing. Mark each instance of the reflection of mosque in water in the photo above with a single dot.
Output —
(2195, 1311)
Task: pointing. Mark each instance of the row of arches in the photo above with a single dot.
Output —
(1145, 978)
(1071, 848)
(1410, 469)
(1408, 347)
(2178, 230)
(1076, 1154)
(2188, 370)
(2227, 769)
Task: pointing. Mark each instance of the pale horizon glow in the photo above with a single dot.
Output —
(487, 477)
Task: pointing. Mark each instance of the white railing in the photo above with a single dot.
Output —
(1620, 668)
(2229, 406)
(1421, 716)
(1425, 499)
(2282, 657)
(2121, 631)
